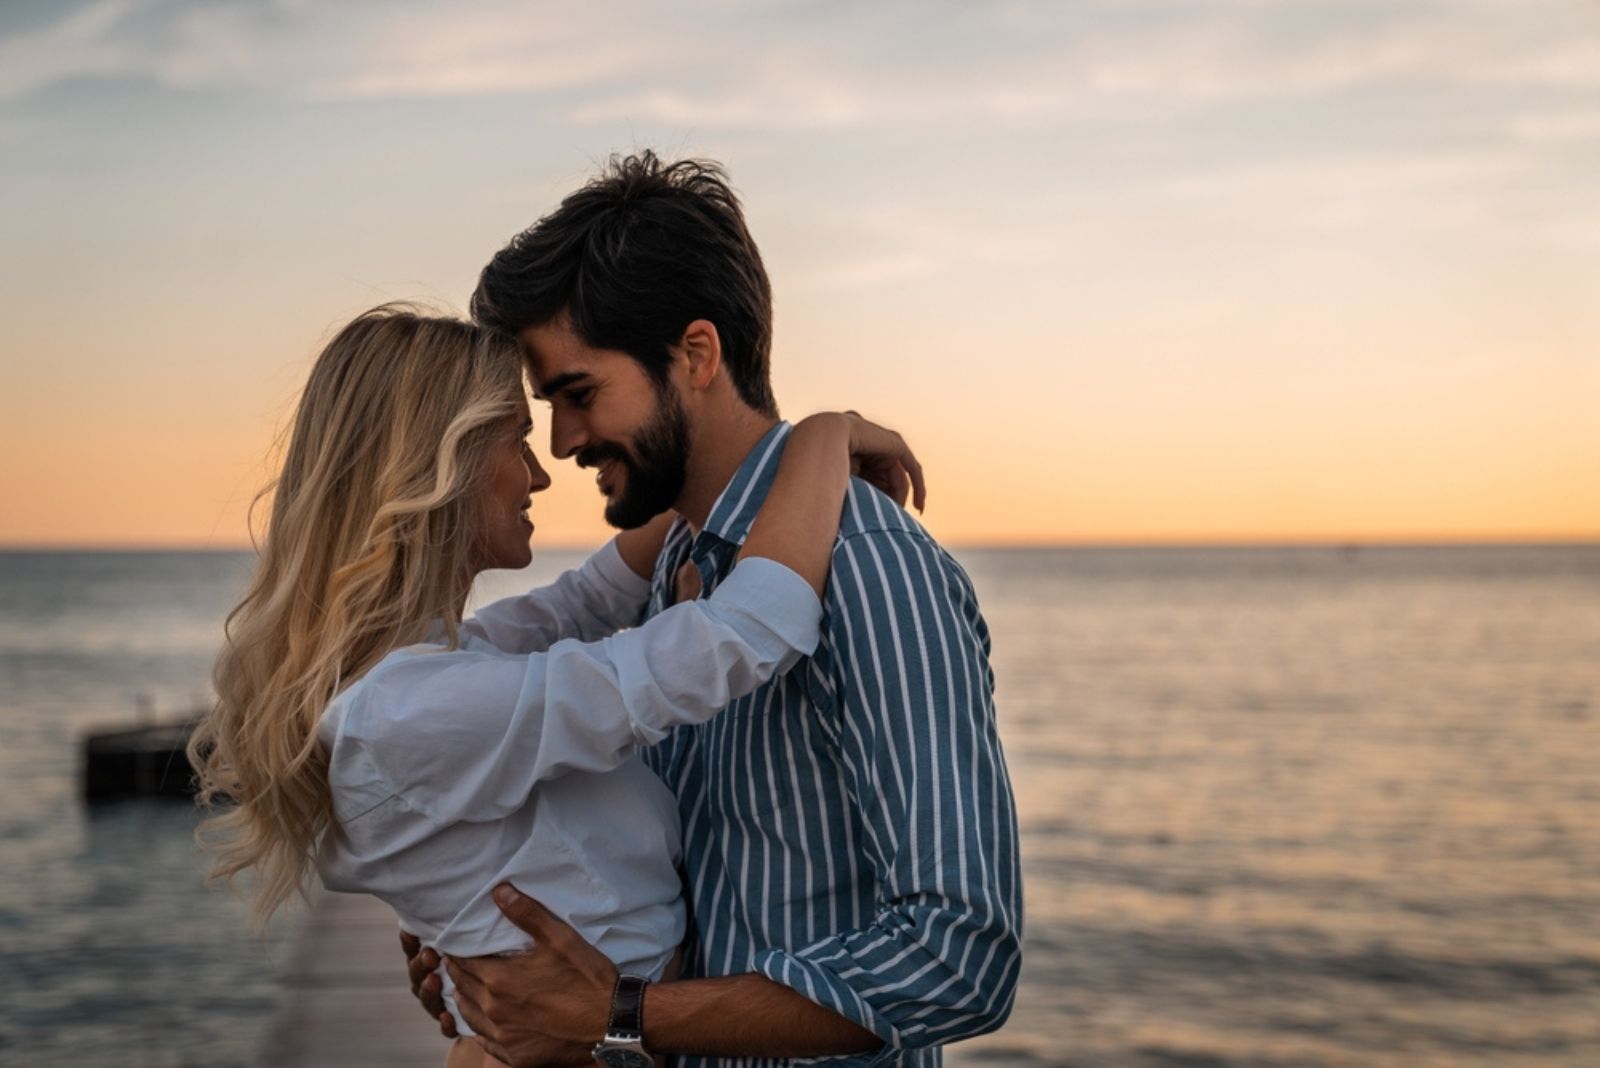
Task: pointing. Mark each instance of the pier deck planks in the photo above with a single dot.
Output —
(347, 1003)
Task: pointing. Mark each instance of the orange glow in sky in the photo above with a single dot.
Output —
(1209, 273)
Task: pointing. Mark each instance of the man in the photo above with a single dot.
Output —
(850, 839)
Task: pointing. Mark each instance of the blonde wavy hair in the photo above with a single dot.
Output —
(371, 540)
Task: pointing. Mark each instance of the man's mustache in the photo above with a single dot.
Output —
(595, 455)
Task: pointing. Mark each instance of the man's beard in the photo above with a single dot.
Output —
(654, 471)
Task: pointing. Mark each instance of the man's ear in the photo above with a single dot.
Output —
(701, 347)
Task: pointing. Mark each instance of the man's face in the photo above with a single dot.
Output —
(608, 412)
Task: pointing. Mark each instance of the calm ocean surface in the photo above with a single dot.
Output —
(1279, 807)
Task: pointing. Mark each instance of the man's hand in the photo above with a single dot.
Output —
(422, 966)
(546, 1007)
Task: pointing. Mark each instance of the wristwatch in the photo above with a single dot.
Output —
(623, 1046)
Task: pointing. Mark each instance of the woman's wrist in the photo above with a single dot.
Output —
(799, 520)
(640, 547)
(826, 428)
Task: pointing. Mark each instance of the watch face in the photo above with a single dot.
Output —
(622, 1057)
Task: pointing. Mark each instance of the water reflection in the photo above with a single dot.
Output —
(1279, 808)
(1286, 808)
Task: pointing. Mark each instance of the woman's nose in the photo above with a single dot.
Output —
(538, 477)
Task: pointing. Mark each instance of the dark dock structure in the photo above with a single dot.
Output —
(141, 761)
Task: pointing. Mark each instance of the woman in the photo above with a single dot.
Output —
(362, 728)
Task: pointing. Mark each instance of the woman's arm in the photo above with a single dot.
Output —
(799, 520)
(604, 595)
(640, 547)
(796, 527)
(466, 735)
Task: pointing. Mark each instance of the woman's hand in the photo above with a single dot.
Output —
(878, 455)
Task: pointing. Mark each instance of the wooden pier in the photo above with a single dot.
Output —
(347, 1003)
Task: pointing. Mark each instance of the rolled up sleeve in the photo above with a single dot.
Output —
(465, 735)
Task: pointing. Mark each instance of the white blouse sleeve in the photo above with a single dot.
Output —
(465, 734)
(598, 598)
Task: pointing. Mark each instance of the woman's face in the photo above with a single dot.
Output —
(514, 476)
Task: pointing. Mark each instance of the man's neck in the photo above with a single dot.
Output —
(719, 447)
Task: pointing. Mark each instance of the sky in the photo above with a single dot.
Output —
(1236, 271)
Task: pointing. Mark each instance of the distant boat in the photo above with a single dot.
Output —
(143, 761)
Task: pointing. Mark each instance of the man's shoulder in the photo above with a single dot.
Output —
(897, 604)
(883, 552)
(868, 512)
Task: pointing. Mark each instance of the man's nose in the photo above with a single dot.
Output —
(566, 435)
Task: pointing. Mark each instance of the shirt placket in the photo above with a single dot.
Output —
(713, 558)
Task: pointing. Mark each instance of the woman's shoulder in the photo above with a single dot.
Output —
(408, 682)
(397, 715)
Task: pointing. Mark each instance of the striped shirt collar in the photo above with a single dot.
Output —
(735, 509)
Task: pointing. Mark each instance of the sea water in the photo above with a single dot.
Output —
(1279, 807)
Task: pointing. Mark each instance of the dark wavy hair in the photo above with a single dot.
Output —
(633, 257)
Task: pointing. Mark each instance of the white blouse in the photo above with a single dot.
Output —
(512, 758)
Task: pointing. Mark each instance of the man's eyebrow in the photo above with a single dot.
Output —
(550, 387)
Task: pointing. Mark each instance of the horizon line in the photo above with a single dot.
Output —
(1484, 541)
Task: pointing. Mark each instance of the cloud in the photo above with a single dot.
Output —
(908, 239)
(1357, 178)
(1557, 127)
(1506, 194)
(1044, 66)
(778, 65)
(869, 271)
(81, 44)
(357, 49)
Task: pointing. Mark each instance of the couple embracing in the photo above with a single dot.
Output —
(729, 792)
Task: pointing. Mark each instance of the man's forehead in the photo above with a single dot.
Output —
(546, 360)
(559, 360)
(552, 350)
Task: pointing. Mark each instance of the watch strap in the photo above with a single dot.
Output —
(627, 1006)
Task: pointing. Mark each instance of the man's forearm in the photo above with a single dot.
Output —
(746, 1016)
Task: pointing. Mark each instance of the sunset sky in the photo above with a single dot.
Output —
(1122, 271)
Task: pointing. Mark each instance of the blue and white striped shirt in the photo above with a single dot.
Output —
(849, 829)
